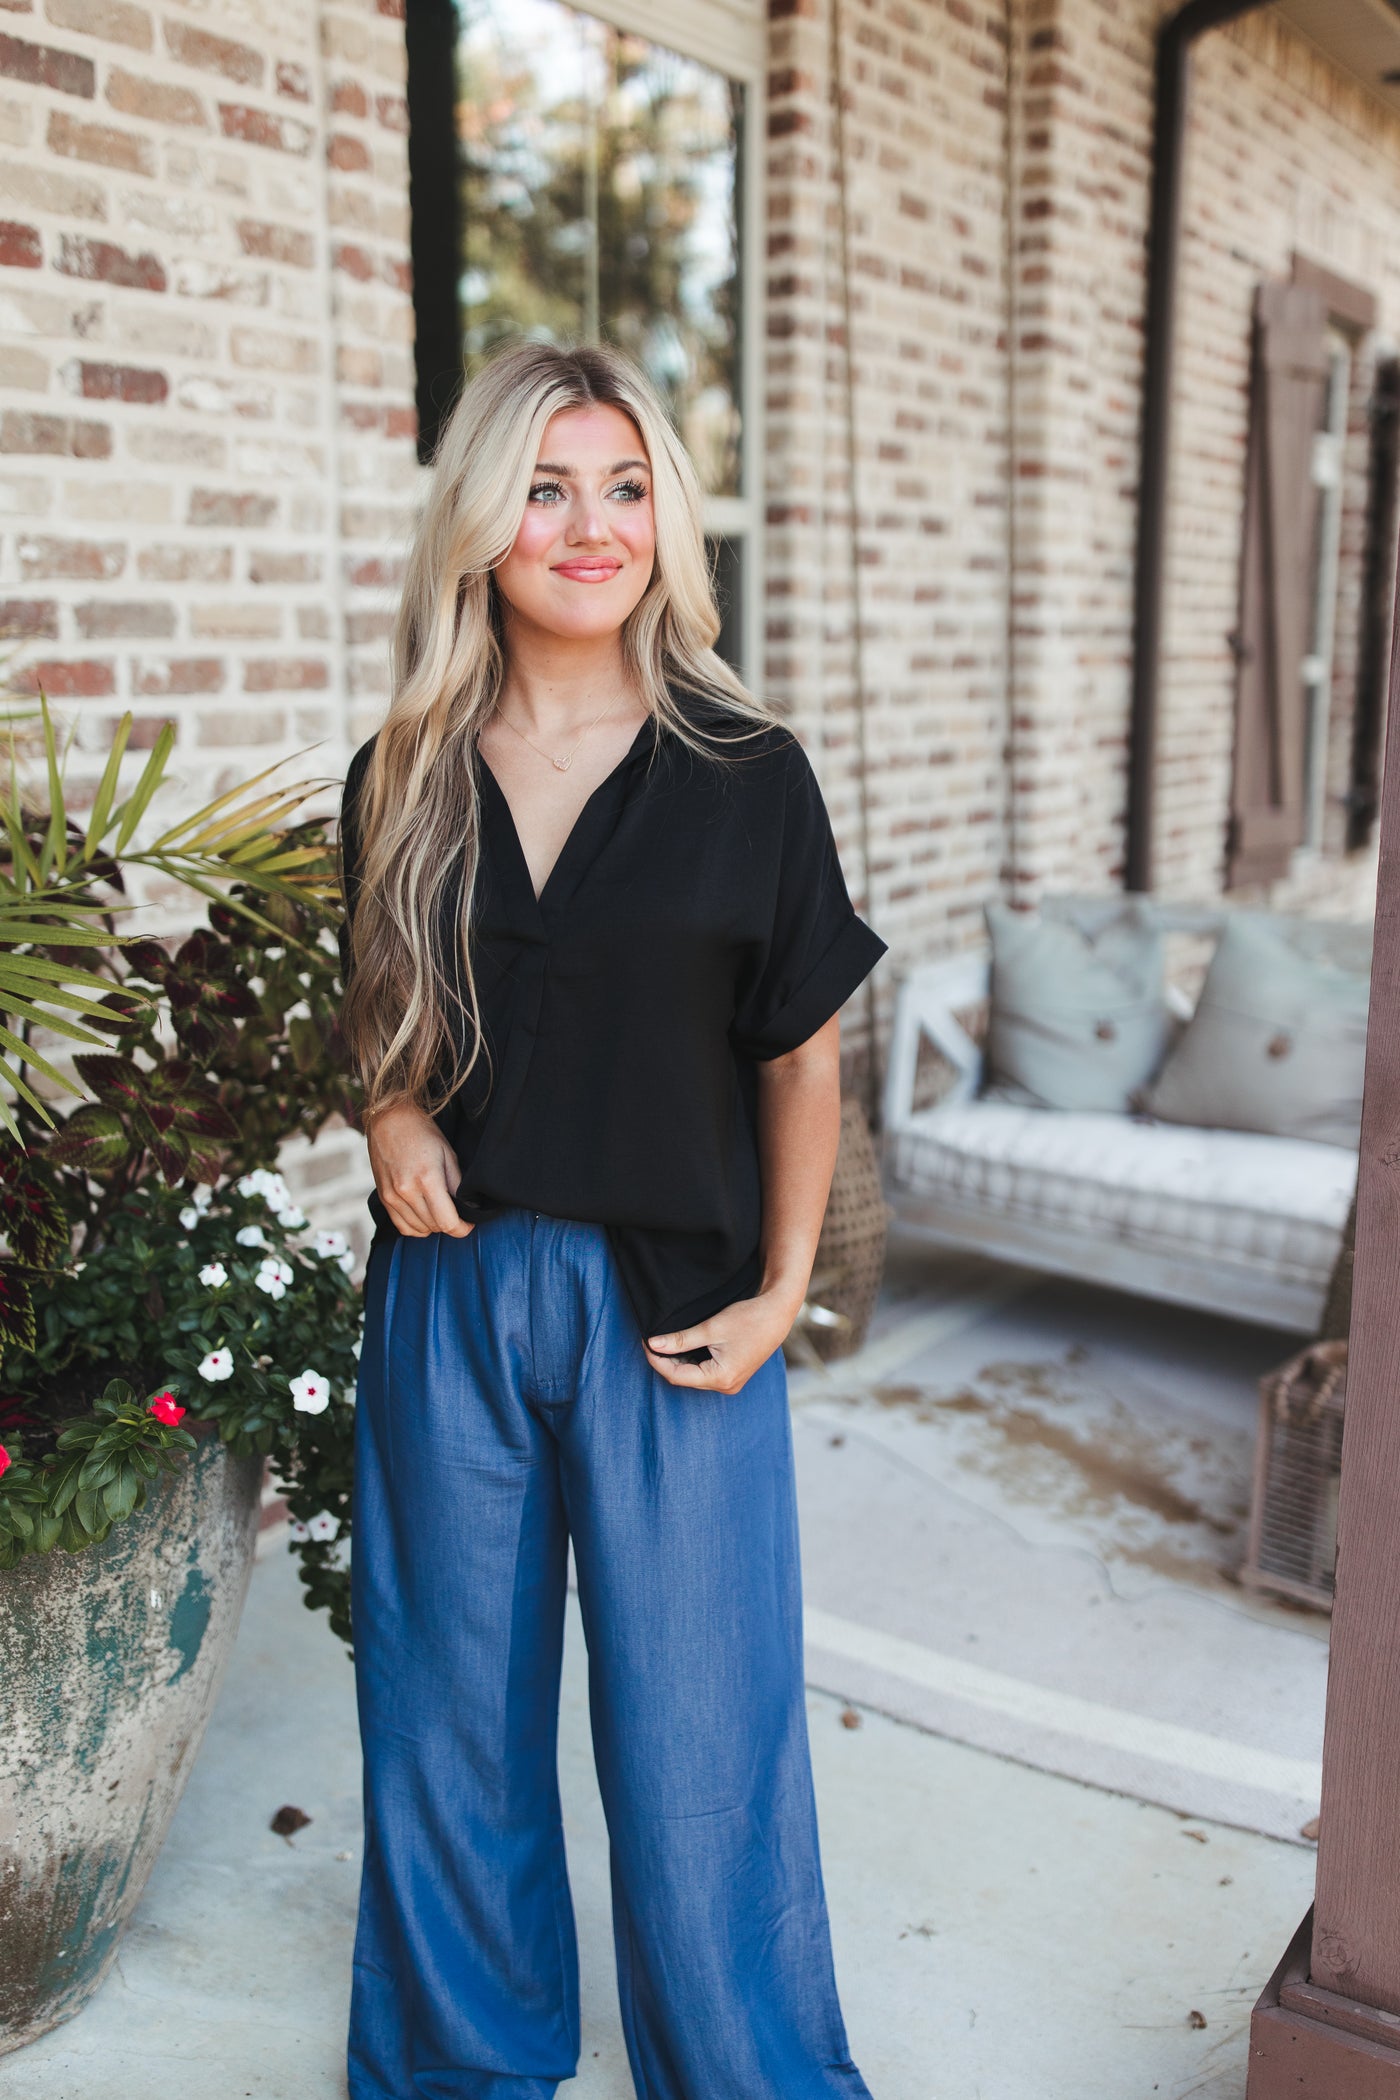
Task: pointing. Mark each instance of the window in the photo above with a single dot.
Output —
(595, 183)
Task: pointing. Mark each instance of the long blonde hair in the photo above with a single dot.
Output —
(411, 986)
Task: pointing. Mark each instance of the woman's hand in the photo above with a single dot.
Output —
(799, 1122)
(416, 1172)
(739, 1340)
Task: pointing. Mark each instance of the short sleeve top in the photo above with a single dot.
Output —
(695, 923)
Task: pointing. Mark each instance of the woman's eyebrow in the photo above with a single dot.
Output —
(550, 466)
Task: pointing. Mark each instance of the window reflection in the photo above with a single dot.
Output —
(600, 198)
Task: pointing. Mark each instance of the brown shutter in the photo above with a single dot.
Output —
(1276, 591)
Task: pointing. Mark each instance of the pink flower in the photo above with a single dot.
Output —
(4, 1458)
(164, 1409)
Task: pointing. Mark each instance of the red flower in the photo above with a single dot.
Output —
(164, 1409)
(4, 1458)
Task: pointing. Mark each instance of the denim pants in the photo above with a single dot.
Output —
(505, 1406)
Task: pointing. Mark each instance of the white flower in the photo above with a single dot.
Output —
(357, 1345)
(189, 1217)
(251, 1236)
(350, 1395)
(311, 1393)
(217, 1366)
(271, 1187)
(297, 1530)
(324, 1526)
(213, 1273)
(330, 1245)
(273, 1276)
(347, 1262)
(290, 1218)
(203, 1196)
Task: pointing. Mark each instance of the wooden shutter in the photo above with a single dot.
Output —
(1267, 816)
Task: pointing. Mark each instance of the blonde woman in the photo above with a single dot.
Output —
(597, 944)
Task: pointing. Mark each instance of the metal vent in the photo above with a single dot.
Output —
(1298, 1467)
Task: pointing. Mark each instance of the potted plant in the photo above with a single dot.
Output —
(168, 1323)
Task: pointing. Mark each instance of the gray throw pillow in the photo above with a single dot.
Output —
(1277, 1043)
(1078, 1020)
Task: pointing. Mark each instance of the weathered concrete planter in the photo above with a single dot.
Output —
(111, 1660)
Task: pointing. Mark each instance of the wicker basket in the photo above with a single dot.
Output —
(851, 1251)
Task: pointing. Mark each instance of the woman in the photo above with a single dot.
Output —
(598, 943)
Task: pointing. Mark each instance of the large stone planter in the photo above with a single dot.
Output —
(110, 1662)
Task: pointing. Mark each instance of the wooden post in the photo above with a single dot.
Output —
(1328, 2024)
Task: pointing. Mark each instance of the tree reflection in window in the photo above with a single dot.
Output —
(600, 199)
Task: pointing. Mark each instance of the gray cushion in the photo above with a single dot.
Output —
(1077, 1020)
(1277, 1042)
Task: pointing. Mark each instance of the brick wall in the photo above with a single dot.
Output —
(999, 166)
(1286, 155)
(206, 398)
(925, 136)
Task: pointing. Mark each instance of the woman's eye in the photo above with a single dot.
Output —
(630, 491)
(545, 492)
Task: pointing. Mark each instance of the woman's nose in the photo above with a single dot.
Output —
(589, 521)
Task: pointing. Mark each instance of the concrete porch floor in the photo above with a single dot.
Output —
(1002, 1932)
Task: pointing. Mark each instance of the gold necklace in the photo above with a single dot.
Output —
(560, 765)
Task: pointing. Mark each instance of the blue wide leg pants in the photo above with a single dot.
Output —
(505, 1406)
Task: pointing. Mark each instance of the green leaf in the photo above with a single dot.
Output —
(139, 800)
(16, 1308)
(95, 1140)
(107, 787)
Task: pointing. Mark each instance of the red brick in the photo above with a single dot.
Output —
(236, 507)
(394, 9)
(258, 127)
(74, 140)
(20, 246)
(353, 261)
(158, 100)
(392, 112)
(69, 437)
(285, 244)
(42, 555)
(102, 382)
(348, 99)
(81, 256)
(215, 54)
(350, 155)
(283, 565)
(178, 674)
(85, 678)
(293, 80)
(401, 422)
(21, 618)
(43, 65)
(146, 731)
(285, 674)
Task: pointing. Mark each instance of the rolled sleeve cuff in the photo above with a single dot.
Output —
(823, 992)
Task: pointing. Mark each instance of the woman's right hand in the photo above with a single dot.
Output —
(416, 1172)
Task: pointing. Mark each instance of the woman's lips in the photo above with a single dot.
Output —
(588, 571)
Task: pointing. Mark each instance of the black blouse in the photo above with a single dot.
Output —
(695, 923)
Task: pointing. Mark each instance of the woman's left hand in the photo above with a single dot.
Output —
(739, 1340)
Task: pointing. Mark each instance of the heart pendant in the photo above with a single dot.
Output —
(562, 765)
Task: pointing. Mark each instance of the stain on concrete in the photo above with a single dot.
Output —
(1169, 1497)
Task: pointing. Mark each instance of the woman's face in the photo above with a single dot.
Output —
(584, 553)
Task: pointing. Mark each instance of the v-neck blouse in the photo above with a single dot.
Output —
(695, 923)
